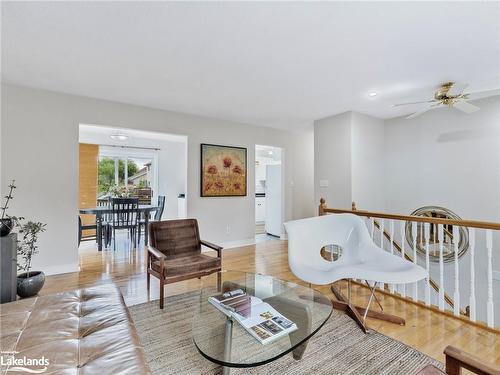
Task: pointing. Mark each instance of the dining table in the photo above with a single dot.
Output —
(101, 211)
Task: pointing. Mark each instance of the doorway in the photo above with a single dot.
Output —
(268, 192)
(131, 163)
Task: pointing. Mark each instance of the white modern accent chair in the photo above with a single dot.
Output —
(360, 259)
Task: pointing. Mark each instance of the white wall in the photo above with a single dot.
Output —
(444, 158)
(40, 150)
(332, 160)
(450, 159)
(348, 152)
(172, 163)
(367, 158)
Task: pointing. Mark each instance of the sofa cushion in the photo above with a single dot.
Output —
(84, 331)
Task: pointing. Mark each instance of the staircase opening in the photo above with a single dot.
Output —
(416, 232)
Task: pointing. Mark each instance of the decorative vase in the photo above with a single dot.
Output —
(6, 226)
(30, 286)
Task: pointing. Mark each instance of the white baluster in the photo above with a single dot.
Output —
(456, 293)
(391, 240)
(372, 228)
(427, 265)
(489, 305)
(441, 266)
(403, 240)
(381, 285)
(414, 231)
(472, 298)
(382, 223)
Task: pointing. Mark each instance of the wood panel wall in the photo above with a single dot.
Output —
(89, 155)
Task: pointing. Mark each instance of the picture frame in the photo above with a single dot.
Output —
(223, 171)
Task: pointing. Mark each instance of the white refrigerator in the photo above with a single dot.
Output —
(274, 220)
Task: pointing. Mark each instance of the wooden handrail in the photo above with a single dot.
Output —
(420, 219)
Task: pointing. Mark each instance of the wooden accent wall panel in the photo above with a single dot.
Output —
(89, 155)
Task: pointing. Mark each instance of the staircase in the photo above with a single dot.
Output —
(458, 255)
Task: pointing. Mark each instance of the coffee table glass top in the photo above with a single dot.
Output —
(235, 347)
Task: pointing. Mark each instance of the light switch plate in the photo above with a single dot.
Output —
(323, 183)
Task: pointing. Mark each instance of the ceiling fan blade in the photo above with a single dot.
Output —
(465, 107)
(422, 111)
(425, 101)
(482, 94)
(457, 89)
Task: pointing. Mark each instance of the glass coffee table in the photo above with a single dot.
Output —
(224, 341)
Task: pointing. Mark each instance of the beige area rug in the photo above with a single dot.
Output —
(338, 348)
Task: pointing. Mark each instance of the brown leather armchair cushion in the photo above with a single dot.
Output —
(187, 264)
(86, 331)
(175, 254)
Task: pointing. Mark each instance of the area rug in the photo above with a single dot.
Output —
(339, 347)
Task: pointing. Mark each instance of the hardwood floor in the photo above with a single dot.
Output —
(425, 330)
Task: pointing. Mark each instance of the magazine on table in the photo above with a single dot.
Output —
(259, 318)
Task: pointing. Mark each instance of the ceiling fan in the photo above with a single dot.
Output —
(451, 94)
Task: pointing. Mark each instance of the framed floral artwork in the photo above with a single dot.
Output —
(223, 171)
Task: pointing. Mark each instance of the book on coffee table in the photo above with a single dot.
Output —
(258, 318)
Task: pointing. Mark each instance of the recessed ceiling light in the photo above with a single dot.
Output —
(119, 137)
(372, 94)
(269, 152)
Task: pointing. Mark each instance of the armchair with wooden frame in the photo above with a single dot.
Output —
(457, 359)
(174, 253)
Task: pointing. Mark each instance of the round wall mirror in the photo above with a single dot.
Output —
(448, 243)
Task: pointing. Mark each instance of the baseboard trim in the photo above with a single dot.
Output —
(56, 270)
(238, 243)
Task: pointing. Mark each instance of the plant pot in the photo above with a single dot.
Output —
(30, 286)
(6, 226)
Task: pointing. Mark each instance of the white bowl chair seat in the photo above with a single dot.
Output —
(360, 257)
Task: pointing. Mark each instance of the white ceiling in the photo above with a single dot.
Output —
(275, 64)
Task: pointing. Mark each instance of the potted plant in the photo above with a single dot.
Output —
(30, 282)
(121, 191)
(7, 222)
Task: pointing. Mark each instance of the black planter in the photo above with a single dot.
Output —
(6, 226)
(30, 286)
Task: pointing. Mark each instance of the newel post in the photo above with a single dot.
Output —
(322, 206)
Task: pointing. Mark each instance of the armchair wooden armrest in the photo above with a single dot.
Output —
(156, 253)
(213, 247)
(457, 359)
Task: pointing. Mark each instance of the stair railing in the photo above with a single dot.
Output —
(377, 224)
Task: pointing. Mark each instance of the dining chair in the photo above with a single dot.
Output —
(124, 215)
(157, 215)
(161, 203)
(82, 227)
(360, 258)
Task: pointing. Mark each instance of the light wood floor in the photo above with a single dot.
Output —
(425, 330)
